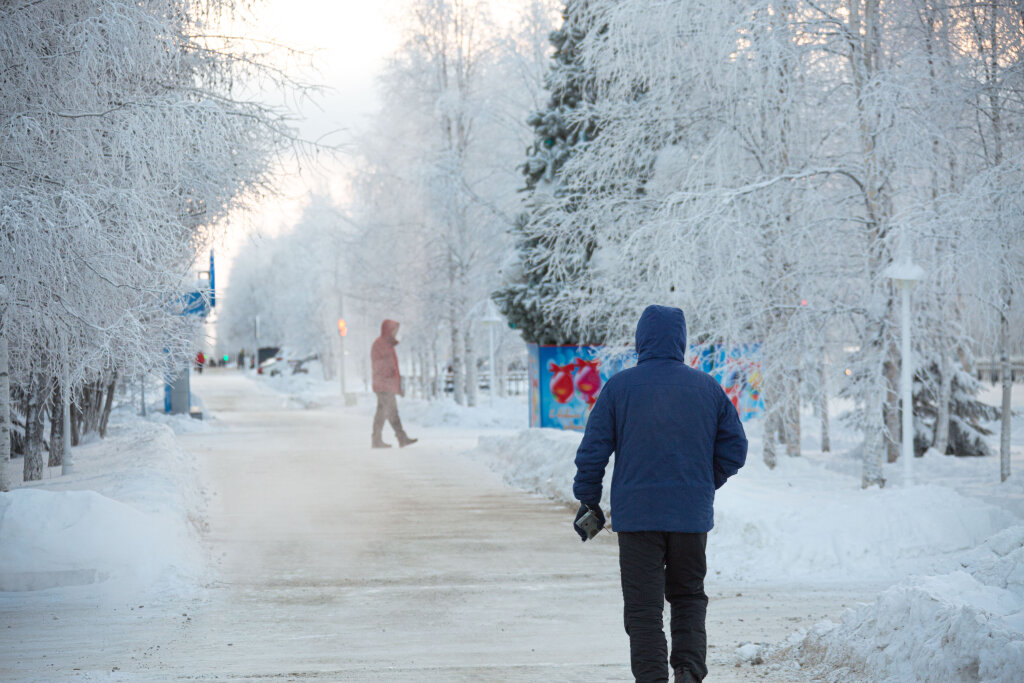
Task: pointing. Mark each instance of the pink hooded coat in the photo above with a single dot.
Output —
(384, 360)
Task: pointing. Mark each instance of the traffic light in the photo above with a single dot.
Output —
(342, 329)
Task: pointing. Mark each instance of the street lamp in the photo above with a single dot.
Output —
(906, 274)
(492, 319)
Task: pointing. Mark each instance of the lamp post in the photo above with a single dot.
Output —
(491, 320)
(906, 274)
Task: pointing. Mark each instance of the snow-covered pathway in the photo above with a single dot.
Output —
(337, 562)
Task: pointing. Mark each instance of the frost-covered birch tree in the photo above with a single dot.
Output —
(121, 146)
(762, 163)
(435, 183)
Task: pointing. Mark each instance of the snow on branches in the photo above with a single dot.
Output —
(121, 146)
(761, 163)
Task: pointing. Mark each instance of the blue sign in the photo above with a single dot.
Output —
(195, 303)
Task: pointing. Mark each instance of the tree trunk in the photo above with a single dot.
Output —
(85, 409)
(768, 452)
(434, 388)
(891, 410)
(941, 441)
(56, 425)
(76, 418)
(874, 439)
(826, 441)
(768, 442)
(1007, 381)
(458, 382)
(472, 381)
(33, 470)
(95, 405)
(105, 415)
(5, 416)
(501, 373)
(792, 416)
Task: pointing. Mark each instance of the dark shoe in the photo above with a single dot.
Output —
(686, 676)
(406, 441)
(379, 443)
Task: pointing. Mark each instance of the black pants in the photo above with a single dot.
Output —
(658, 566)
(387, 409)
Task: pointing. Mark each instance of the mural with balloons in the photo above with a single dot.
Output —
(565, 381)
(737, 368)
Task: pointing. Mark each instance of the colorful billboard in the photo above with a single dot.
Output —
(738, 369)
(565, 381)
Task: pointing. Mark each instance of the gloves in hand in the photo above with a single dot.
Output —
(596, 509)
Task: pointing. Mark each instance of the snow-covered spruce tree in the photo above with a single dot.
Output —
(966, 433)
(528, 282)
(122, 146)
(707, 187)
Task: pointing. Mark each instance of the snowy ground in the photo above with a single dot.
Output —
(271, 542)
(953, 545)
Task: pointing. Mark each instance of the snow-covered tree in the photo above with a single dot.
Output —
(434, 185)
(761, 163)
(122, 147)
(528, 281)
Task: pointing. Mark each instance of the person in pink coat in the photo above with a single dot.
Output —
(387, 384)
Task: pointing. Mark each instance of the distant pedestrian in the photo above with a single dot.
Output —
(241, 359)
(387, 384)
(676, 438)
(200, 359)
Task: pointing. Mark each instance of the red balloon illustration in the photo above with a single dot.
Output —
(561, 381)
(588, 379)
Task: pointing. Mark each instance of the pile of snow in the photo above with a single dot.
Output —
(536, 460)
(503, 413)
(125, 519)
(800, 521)
(305, 389)
(967, 625)
(803, 521)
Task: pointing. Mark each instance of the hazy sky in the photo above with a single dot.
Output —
(349, 40)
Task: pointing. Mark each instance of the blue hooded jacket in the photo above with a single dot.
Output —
(675, 435)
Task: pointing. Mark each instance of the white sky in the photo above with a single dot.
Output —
(350, 40)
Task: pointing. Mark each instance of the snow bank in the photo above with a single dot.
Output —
(125, 520)
(800, 521)
(967, 625)
(303, 390)
(76, 537)
(504, 413)
(536, 460)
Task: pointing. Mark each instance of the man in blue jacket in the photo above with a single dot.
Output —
(676, 439)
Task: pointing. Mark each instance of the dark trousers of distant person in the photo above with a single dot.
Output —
(387, 409)
(658, 566)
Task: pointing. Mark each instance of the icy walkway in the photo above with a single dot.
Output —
(336, 562)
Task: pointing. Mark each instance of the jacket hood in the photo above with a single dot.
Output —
(389, 330)
(661, 333)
